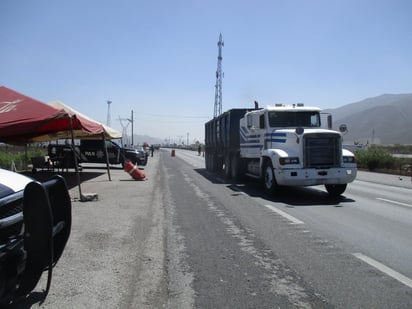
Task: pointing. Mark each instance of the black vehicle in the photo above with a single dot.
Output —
(35, 224)
(93, 151)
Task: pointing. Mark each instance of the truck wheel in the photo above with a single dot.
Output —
(269, 180)
(236, 167)
(335, 190)
(228, 170)
(213, 163)
(207, 161)
(217, 164)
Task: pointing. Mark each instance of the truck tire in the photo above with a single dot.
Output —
(217, 164)
(213, 162)
(236, 168)
(207, 161)
(228, 168)
(335, 190)
(269, 180)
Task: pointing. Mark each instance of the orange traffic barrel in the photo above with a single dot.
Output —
(173, 153)
(134, 171)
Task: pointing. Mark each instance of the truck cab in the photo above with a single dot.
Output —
(289, 145)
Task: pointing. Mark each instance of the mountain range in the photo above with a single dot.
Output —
(385, 119)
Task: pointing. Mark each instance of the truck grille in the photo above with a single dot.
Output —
(322, 150)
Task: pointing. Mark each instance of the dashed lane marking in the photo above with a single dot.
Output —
(284, 214)
(394, 202)
(385, 269)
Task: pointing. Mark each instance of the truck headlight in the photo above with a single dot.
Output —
(349, 159)
(288, 160)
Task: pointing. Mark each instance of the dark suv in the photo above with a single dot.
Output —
(35, 224)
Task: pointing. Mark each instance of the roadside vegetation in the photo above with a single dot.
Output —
(376, 158)
(381, 159)
(19, 155)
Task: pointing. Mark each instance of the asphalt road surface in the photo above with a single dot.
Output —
(186, 238)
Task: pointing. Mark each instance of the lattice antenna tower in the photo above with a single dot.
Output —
(108, 113)
(219, 77)
(124, 122)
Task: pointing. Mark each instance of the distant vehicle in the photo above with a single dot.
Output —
(93, 151)
(141, 150)
(35, 224)
(281, 145)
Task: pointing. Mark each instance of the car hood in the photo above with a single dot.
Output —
(11, 182)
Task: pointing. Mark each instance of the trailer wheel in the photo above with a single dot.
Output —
(217, 164)
(236, 167)
(213, 162)
(207, 161)
(228, 167)
(335, 190)
(269, 180)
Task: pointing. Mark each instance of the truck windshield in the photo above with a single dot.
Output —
(294, 119)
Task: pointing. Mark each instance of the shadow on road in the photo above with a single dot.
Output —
(70, 176)
(291, 196)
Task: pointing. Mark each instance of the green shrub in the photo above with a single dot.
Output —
(19, 156)
(374, 157)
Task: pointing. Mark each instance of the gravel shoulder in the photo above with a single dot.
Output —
(115, 254)
(385, 179)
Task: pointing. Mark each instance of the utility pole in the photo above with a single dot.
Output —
(108, 113)
(131, 120)
(219, 76)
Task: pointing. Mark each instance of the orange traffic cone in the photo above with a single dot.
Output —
(134, 171)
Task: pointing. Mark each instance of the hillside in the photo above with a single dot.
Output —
(386, 119)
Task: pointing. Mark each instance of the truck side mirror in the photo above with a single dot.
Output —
(329, 122)
(343, 128)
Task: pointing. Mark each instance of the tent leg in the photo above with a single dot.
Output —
(107, 156)
(76, 167)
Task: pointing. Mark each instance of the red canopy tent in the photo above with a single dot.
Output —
(22, 119)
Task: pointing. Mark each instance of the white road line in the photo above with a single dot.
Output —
(284, 214)
(394, 202)
(385, 269)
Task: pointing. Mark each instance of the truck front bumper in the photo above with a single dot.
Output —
(313, 177)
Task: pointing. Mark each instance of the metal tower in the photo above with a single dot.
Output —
(124, 125)
(219, 76)
(108, 113)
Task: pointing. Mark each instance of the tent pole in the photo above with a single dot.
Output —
(106, 154)
(76, 167)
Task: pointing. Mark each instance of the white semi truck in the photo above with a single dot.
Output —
(281, 145)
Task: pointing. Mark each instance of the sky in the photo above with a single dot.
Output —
(157, 59)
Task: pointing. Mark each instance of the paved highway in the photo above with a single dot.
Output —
(186, 238)
(244, 249)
